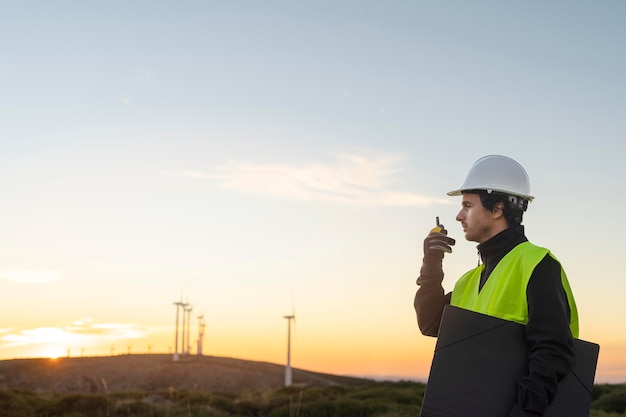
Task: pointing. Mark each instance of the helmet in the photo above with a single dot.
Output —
(497, 173)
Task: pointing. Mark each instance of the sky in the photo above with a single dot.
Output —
(262, 159)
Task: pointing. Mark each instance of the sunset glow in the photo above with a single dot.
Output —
(252, 160)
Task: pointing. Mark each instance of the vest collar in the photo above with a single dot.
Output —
(494, 249)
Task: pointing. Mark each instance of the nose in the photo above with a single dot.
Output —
(459, 217)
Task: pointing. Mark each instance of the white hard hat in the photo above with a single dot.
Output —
(497, 173)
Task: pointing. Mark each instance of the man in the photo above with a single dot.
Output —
(515, 280)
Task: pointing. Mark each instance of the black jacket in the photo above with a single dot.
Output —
(549, 338)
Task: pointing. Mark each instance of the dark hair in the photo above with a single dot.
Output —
(513, 207)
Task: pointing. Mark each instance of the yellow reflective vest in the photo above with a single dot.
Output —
(504, 294)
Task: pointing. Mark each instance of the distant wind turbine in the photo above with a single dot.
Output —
(288, 367)
(182, 332)
(201, 326)
(178, 305)
(187, 345)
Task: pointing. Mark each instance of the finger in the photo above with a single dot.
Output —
(441, 237)
(439, 241)
(446, 249)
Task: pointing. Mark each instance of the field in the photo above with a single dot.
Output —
(154, 386)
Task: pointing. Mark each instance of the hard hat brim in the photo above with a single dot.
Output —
(455, 193)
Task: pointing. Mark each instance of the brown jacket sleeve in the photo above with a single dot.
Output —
(430, 298)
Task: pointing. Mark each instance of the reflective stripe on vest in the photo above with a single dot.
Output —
(504, 294)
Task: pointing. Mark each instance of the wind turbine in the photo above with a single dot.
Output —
(183, 332)
(188, 310)
(201, 325)
(288, 367)
(178, 305)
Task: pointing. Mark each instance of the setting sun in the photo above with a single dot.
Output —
(50, 352)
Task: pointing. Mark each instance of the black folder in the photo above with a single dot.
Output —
(478, 360)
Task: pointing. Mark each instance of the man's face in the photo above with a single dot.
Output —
(477, 221)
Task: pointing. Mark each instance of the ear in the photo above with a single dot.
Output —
(498, 211)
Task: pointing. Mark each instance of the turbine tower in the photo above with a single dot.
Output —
(183, 333)
(201, 325)
(288, 367)
(178, 305)
(188, 310)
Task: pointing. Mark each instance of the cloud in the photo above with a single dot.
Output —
(31, 277)
(77, 333)
(351, 179)
(37, 335)
(86, 326)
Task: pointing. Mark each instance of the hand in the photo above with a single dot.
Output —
(437, 244)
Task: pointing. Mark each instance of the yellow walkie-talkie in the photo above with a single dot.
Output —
(439, 228)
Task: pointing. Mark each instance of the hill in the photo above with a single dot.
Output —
(154, 372)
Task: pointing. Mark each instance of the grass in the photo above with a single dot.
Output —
(371, 399)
